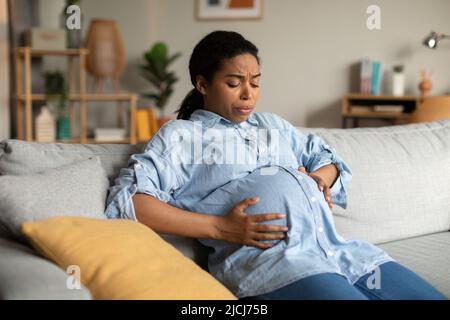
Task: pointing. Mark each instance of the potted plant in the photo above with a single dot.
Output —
(156, 71)
(56, 95)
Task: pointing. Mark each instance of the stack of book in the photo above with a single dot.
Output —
(370, 76)
(109, 134)
(389, 108)
(377, 108)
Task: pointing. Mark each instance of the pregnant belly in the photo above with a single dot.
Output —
(279, 192)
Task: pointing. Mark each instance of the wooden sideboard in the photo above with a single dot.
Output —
(415, 108)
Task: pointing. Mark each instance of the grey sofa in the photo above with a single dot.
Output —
(399, 199)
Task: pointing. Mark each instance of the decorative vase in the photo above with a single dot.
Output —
(63, 124)
(425, 87)
(425, 84)
(398, 84)
(45, 126)
(163, 120)
(106, 56)
(63, 130)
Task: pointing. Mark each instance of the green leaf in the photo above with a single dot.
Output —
(159, 52)
(152, 96)
(173, 58)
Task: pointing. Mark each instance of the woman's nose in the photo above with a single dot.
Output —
(246, 93)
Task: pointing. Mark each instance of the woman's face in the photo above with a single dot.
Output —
(234, 89)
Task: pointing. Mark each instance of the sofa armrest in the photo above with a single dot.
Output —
(25, 275)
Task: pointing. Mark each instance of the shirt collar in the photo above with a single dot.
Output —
(210, 118)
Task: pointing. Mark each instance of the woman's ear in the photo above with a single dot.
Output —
(201, 84)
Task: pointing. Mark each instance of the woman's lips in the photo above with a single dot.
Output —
(244, 110)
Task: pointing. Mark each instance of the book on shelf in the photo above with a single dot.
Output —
(146, 123)
(142, 125)
(366, 76)
(361, 109)
(389, 108)
(370, 76)
(153, 119)
(376, 77)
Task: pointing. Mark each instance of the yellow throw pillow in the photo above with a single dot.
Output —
(122, 259)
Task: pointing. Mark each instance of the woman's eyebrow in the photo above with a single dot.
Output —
(241, 76)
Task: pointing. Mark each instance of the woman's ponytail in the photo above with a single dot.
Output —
(192, 102)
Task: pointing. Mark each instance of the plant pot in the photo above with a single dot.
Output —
(163, 120)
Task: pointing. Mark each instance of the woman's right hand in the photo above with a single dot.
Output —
(238, 227)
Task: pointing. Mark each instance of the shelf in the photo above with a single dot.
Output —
(25, 97)
(87, 97)
(372, 114)
(94, 141)
(360, 96)
(368, 101)
(42, 52)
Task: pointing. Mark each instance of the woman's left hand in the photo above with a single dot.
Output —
(321, 184)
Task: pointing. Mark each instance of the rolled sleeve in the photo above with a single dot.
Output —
(312, 152)
(147, 173)
(315, 154)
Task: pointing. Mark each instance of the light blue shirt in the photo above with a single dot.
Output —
(208, 164)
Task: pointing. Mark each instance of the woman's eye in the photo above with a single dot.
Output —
(255, 85)
(233, 85)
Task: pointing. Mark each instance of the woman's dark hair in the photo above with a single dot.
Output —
(207, 59)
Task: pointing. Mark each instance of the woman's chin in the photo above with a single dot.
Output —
(237, 118)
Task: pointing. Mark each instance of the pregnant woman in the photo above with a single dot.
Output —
(255, 190)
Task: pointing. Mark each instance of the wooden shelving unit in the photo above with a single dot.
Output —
(349, 101)
(25, 98)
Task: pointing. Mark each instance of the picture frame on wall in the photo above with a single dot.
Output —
(229, 9)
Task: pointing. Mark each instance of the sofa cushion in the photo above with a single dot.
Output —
(428, 256)
(401, 178)
(75, 189)
(122, 259)
(25, 275)
(22, 158)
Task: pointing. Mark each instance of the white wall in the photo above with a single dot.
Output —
(308, 47)
(4, 73)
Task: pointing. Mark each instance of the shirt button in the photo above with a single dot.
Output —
(262, 150)
(330, 253)
(320, 229)
(313, 199)
(138, 166)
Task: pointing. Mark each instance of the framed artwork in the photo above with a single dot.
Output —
(228, 9)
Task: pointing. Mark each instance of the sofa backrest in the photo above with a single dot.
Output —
(23, 158)
(401, 180)
(18, 157)
(400, 186)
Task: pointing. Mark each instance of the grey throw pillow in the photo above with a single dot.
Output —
(79, 189)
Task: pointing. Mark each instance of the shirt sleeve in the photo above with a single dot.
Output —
(149, 173)
(313, 152)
